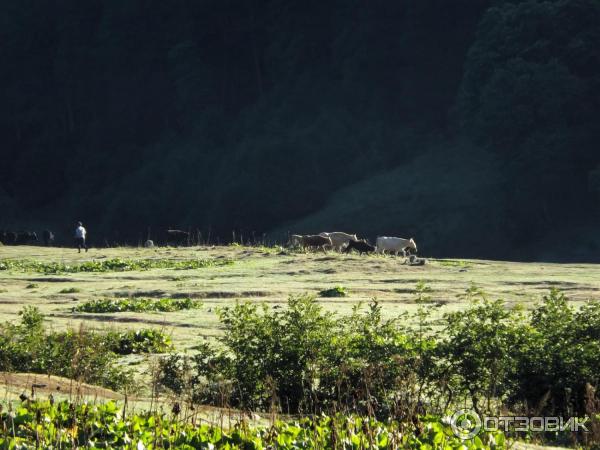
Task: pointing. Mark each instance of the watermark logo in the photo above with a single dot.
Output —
(467, 424)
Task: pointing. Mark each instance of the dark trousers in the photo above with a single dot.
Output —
(81, 244)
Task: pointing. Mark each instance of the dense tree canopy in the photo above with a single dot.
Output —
(530, 92)
(251, 115)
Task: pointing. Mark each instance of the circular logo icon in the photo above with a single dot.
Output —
(465, 424)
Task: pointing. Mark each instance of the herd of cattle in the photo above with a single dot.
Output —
(25, 237)
(172, 237)
(338, 241)
(345, 242)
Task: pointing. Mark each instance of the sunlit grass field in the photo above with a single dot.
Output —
(236, 273)
(268, 275)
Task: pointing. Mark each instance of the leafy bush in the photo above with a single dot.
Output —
(537, 363)
(560, 355)
(479, 345)
(78, 354)
(486, 356)
(111, 305)
(110, 265)
(299, 359)
(337, 291)
(265, 352)
(370, 361)
(31, 318)
(145, 340)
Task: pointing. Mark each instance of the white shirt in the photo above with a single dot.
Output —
(80, 232)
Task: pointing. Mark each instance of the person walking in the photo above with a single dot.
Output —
(80, 234)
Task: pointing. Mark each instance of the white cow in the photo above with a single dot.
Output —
(395, 244)
(339, 239)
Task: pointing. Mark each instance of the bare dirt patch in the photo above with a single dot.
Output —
(50, 384)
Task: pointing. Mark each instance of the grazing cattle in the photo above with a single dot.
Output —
(360, 246)
(339, 239)
(395, 245)
(48, 237)
(26, 237)
(178, 237)
(313, 241)
(295, 240)
(410, 250)
(8, 237)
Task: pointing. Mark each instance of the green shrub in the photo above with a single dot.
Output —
(478, 346)
(32, 319)
(541, 362)
(371, 358)
(265, 352)
(111, 305)
(484, 357)
(274, 350)
(560, 356)
(110, 265)
(337, 291)
(146, 340)
(304, 357)
(78, 354)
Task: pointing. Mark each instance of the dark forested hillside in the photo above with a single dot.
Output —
(470, 124)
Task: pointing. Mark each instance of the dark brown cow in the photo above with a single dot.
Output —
(26, 237)
(6, 237)
(313, 241)
(360, 246)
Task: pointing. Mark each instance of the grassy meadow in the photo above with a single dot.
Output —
(179, 291)
(268, 275)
